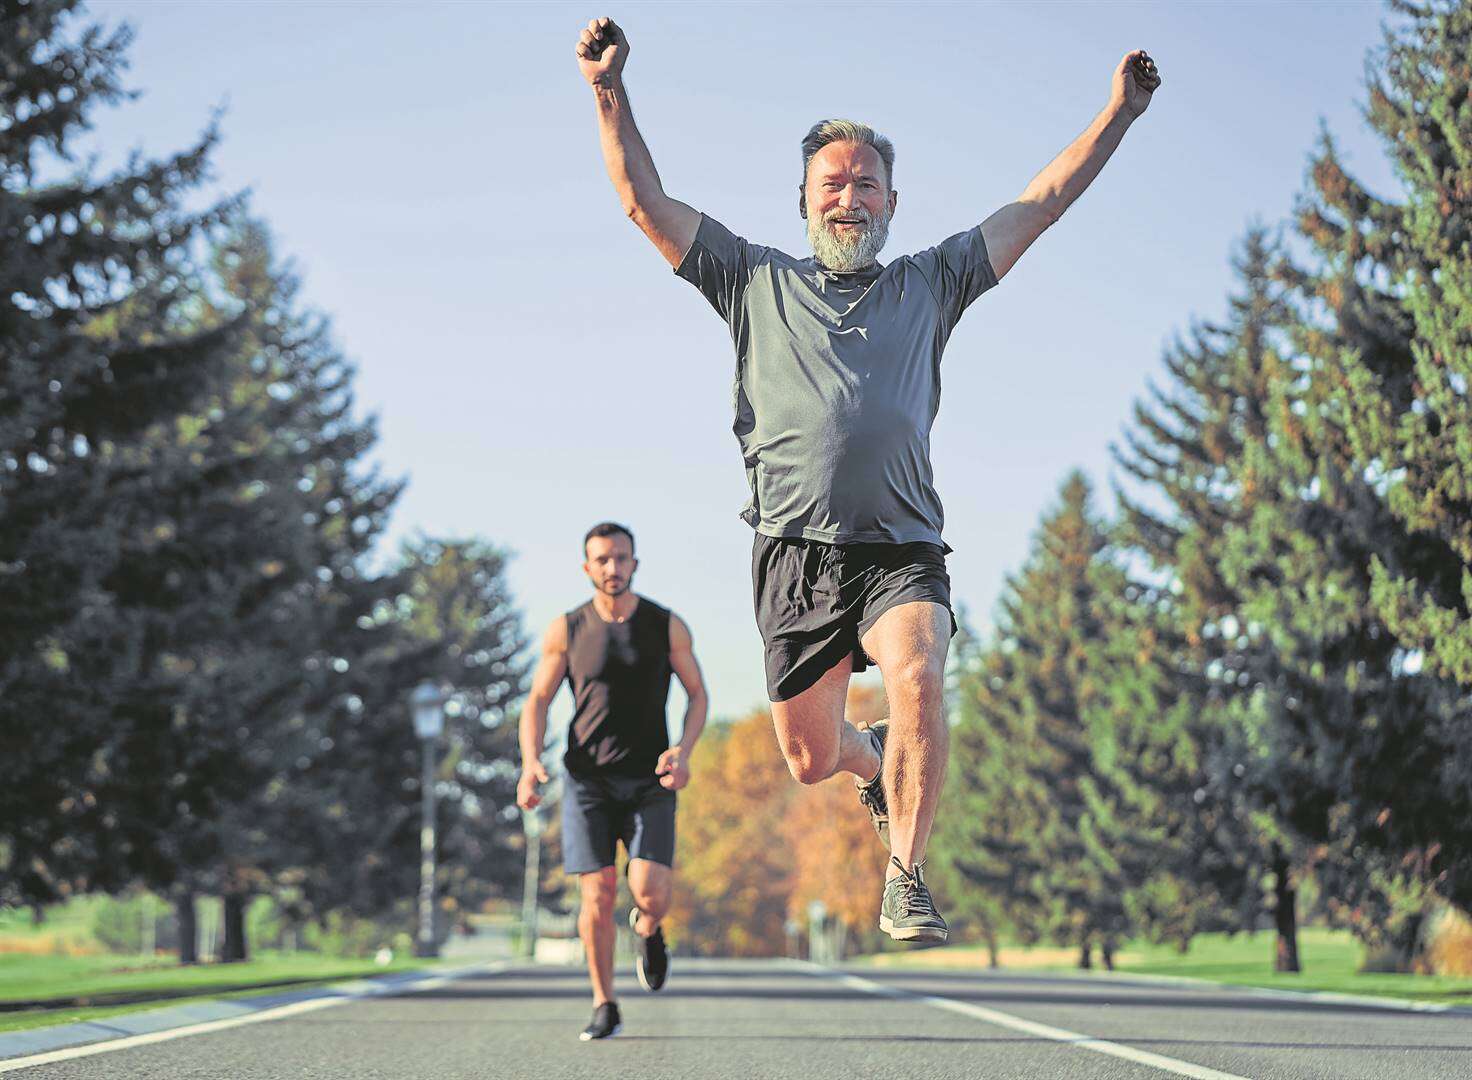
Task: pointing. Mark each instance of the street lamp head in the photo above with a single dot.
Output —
(428, 702)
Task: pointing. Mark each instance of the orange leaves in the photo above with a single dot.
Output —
(756, 847)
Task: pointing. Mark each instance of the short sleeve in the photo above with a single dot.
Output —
(720, 264)
(958, 271)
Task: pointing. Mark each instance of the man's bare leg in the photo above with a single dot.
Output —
(815, 738)
(595, 927)
(909, 643)
(651, 884)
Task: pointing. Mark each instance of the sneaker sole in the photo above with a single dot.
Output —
(912, 933)
(585, 1037)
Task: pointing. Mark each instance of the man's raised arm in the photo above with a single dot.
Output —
(602, 51)
(1012, 229)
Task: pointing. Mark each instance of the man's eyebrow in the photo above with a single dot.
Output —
(839, 174)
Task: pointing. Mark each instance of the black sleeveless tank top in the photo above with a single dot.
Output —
(620, 679)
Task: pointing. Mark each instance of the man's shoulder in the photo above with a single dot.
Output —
(655, 607)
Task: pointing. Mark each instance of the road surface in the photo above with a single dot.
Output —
(733, 1020)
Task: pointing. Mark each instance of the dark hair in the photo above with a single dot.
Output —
(607, 528)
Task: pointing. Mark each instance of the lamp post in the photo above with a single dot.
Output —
(428, 702)
(531, 823)
(817, 938)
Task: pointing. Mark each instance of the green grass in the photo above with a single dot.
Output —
(37, 991)
(1330, 961)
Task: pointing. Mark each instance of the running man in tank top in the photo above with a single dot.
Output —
(616, 653)
(837, 386)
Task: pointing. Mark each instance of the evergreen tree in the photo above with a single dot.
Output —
(1367, 437)
(344, 810)
(98, 343)
(1057, 817)
(1199, 445)
(1395, 358)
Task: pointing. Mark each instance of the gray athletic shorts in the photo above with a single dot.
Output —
(599, 811)
(816, 601)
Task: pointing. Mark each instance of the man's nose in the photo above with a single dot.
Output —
(848, 197)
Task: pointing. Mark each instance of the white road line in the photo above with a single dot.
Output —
(281, 1012)
(1029, 1027)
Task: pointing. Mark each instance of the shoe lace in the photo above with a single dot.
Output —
(914, 898)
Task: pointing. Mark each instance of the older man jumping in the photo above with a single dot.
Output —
(837, 386)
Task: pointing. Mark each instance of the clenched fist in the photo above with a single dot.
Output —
(533, 774)
(602, 50)
(1135, 81)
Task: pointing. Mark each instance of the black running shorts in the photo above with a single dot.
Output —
(815, 601)
(600, 810)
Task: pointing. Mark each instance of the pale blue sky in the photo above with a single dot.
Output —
(434, 170)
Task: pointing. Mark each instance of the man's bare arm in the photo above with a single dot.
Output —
(673, 767)
(1012, 229)
(550, 671)
(602, 51)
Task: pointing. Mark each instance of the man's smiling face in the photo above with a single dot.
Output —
(848, 203)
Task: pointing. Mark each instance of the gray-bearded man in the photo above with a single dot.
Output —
(837, 386)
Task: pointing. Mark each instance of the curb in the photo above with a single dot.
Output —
(16, 1047)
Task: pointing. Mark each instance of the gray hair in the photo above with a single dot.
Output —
(831, 131)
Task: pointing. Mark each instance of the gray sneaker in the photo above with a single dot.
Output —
(871, 792)
(907, 912)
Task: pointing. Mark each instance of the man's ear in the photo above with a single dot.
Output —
(894, 200)
(802, 202)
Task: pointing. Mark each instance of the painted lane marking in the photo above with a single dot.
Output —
(1030, 1027)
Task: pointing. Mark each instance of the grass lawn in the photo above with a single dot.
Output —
(1330, 960)
(36, 991)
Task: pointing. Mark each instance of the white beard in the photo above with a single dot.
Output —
(852, 250)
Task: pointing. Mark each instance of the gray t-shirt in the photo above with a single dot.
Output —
(838, 381)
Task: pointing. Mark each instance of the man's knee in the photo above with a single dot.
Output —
(600, 893)
(653, 900)
(807, 768)
(918, 678)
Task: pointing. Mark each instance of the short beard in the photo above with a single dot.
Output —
(847, 254)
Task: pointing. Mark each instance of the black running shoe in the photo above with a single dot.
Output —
(605, 1024)
(907, 912)
(871, 793)
(651, 956)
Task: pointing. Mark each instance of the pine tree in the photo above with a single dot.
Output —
(1055, 815)
(1373, 601)
(1199, 445)
(97, 344)
(1408, 409)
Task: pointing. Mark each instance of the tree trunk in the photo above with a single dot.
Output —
(993, 953)
(1285, 916)
(1413, 945)
(1106, 952)
(1086, 955)
(188, 928)
(234, 949)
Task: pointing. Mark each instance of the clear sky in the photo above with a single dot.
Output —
(434, 170)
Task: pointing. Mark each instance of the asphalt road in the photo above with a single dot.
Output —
(755, 1020)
